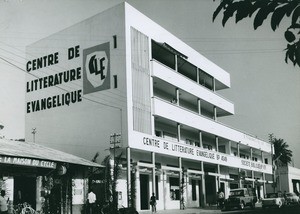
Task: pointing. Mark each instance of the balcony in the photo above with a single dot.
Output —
(166, 81)
(180, 115)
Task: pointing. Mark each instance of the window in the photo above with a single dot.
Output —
(174, 188)
(206, 146)
(254, 159)
(158, 133)
(115, 41)
(115, 81)
(194, 196)
(266, 160)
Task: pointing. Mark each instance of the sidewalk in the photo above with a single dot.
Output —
(185, 211)
(211, 209)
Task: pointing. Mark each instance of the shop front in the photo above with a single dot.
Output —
(45, 179)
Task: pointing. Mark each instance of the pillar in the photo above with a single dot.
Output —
(177, 96)
(200, 139)
(238, 149)
(215, 113)
(128, 177)
(199, 106)
(153, 174)
(178, 132)
(203, 196)
(217, 143)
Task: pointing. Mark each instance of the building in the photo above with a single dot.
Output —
(288, 179)
(120, 80)
(45, 178)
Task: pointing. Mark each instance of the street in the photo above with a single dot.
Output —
(259, 210)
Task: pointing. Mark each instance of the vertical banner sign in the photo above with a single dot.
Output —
(96, 68)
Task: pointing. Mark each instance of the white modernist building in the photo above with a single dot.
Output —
(120, 73)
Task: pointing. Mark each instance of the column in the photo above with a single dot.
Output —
(137, 189)
(229, 147)
(199, 106)
(262, 157)
(176, 64)
(214, 84)
(153, 173)
(178, 132)
(240, 180)
(177, 96)
(218, 178)
(217, 143)
(215, 113)
(203, 196)
(128, 177)
(238, 149)
(264, 185)
(180, 181)
(200, 139)
(251, 153)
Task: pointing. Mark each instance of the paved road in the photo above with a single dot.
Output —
(284, 210)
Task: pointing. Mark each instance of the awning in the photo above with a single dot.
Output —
(31, 154)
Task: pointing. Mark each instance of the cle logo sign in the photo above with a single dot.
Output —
(96, 69)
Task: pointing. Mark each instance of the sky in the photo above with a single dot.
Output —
(264, 89)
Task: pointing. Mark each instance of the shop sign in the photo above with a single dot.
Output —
(163, 146)
(27, 162)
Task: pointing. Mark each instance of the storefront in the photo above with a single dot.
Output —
(47, 179)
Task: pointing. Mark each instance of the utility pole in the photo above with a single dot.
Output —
(114, 140)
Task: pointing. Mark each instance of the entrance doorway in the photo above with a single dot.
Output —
(144, 191)
(25, 190)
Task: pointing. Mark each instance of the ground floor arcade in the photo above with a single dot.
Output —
(179, 182)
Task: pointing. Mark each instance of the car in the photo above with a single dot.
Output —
(292, 198)
(240, 198)
(273, 200)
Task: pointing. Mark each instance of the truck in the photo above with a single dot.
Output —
(240, 198)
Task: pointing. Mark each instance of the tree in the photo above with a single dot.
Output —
(261, 9)
(282, 154)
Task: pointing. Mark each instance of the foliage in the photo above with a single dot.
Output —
(282, 152)
(111, 175)
(261, 9)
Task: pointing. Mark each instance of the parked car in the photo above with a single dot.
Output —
(292, 198)
(240, 198)
(273, 200)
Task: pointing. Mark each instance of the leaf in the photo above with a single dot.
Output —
(296, 15)
(290, 53)
(257, 5)
(244, 10)
(278, 15)
(263, 13)
(228, 13)
(297, 54)
(221, 6)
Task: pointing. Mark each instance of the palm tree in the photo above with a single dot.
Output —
(261, 9)
(282, 154)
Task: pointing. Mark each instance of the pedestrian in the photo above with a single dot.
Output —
(221, 198)
(91, 202)
(153, 203)
(3, 203)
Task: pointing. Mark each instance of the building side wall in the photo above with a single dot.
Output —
(84, 127)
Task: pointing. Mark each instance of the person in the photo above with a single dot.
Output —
(221, 197)
(91, 202)
(153, 203)
(3, 203)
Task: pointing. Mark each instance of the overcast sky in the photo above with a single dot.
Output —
(264, 89)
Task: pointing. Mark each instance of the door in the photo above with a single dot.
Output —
(144, 191)
(25, 190)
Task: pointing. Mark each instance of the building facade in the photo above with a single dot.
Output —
(119, 83)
